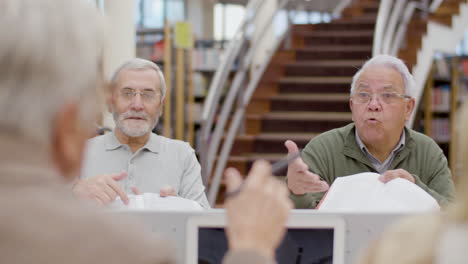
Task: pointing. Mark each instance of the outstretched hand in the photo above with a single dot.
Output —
(300, 179)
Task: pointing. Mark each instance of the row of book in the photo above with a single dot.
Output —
(206, 59)
(441, 98)
(441, 129)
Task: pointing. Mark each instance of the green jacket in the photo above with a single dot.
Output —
(336, 153)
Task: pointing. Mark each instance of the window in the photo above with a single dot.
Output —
(308, 17)
(462, 48)
(227, 19)
(153, 13)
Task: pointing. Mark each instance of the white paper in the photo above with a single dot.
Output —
(152, 201)
(364, 192)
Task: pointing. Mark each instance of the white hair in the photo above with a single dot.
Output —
(140, 64)
(50, 55)
(390, 62)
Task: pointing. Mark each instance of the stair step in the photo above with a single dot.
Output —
(354, 37)
(316, 80)
(334, 52)
(334, 25)
(327, 97)
(371, 8)
(311, 122)
(337, 48)
(448, 8)
(309, 116)
(327, 63)
(365, 17)
(279, 136)
(314, 84)
(310, 102)
(340, 33)
(442, 19)
(244, 163)
(323, 68)
(269, 142)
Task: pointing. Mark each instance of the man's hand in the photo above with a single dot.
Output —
(164, 192)
(300, 179)
(167, 191)
(257, 215)
(103, 188)
(398, 173)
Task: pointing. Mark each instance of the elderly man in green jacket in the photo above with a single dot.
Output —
(377, 140)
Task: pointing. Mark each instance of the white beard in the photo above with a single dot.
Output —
(134, 128)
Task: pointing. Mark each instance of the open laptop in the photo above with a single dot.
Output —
(318, 240)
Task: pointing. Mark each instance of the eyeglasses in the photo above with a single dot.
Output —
(386, 97)
(146, 96)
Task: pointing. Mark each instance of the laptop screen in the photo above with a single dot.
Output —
(313, 241)
(299, 246)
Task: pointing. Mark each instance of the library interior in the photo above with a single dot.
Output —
(234, 131)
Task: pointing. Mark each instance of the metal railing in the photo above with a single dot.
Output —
(392, 23)
(240, 51)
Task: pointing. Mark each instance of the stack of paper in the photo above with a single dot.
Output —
(364, 192)
(152, 201)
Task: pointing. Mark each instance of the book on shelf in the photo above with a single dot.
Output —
(440, 129)
(464, 67)
(206, 59)
(442, 67)
(441, 98)
(200, 84)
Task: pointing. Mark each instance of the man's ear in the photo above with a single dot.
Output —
(351, 107)
(68, 141)
(409, 109)
(162, 107)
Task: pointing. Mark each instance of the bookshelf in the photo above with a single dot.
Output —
(442, 97)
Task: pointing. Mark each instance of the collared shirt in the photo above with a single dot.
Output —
(381, 167)
(160, 162)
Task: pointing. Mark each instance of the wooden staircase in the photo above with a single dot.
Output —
(305, 90)
(418, 27)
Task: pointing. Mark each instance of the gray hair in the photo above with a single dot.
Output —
(390, 62)
(50, 55)
(140, 64)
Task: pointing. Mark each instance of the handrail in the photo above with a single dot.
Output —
(380, 25)
(401, 31)
(434, 5)
(390, 17)
(392, 24)
(242, 88)
(239, 113)
(229, 55)
(216, 86)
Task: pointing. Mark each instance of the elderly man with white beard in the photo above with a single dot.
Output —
(132, 159)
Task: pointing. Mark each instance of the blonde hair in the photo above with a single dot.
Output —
(50, 55)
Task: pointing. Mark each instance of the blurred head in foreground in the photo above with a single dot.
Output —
(50, 74)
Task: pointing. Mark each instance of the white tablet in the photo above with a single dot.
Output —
(309, 239)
